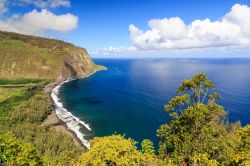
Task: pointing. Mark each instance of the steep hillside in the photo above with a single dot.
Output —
(24, 56)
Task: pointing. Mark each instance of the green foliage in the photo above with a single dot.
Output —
(52, 146)
(5, 81)
(115, 150)
(35, 110)
(15, 152)
(22, 112)
(148, 147)
(213, 97)
(35, 40)
(7, 92)
(242, 156)
(199, 86)
(177, 101)
(10, 102)
(197, 133)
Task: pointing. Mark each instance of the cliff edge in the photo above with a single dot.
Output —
(25, 56)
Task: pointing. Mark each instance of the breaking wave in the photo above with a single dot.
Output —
(73, 123)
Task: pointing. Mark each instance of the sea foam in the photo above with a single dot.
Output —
(73, 123)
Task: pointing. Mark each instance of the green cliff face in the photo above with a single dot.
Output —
(23, 56)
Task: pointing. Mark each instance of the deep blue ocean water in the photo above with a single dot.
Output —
(129, 97)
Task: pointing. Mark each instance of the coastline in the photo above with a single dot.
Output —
(61, 119)
(53, 120)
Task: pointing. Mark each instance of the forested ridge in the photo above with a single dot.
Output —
(198, 132)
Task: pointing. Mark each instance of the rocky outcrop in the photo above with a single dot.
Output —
(76, 66)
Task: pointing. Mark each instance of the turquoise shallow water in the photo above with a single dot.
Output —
(129, 97)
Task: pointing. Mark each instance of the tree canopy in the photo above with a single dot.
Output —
(116, 150)
(198, 132)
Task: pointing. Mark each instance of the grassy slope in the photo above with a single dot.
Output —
(23, 56)
(18, 58)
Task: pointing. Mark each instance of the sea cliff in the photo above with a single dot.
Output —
(24, 56)
(29, 57)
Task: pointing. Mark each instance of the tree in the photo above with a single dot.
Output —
(148, 147)
(196, 133)
(115, 150)
(199, 87)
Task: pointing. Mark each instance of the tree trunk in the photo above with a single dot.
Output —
(195, 162)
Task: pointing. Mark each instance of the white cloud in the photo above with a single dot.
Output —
(44, 3)
(172, 35)
(3, 7)
(115, 50)
(36, 22)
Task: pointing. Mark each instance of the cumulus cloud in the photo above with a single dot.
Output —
(44, 3)
(3, 7)
(36, 22)
(231, 32)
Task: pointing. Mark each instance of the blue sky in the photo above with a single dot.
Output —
(100, 24)
(105, 22)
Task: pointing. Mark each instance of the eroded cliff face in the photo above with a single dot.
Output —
(76, 66)
(23, 56)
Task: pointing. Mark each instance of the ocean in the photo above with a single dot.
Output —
(128, 98)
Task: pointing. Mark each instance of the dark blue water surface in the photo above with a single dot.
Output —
(129, 97)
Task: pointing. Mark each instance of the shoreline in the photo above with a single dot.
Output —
(55, 122)
(59, 116)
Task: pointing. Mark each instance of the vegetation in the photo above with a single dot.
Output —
(198, 132)
(116, 150)
(24, 56)
(15, 152)
(23, 81)
(37, 41)
(22, 60)
(22, 111)
(148, 147)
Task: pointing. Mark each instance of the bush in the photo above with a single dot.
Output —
(35, 110)
(15, 152)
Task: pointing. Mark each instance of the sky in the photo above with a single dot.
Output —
(137, 28)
